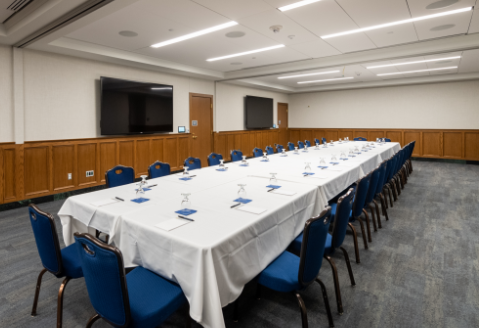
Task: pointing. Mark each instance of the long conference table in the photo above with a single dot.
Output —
(214, 256)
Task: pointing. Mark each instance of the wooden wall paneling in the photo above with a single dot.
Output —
(346, 133)
(170, 154)
(294, 137)
(108, 158)
(220, 145)
(360, 133)
(413, 136)
(431, 144)
(156, 150)
(10, 173)
(395, 136)
(63, 159)
(331, 135)
(305, 135)
(142, 155)
(374, 134)
(230, 141)
(37, 171)
(238, 140)
(453, 145)
(184, 150)
(245, 143)
(471, 145)
(87, 161)
(126, 153)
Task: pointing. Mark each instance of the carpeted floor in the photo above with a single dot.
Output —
(421, 269)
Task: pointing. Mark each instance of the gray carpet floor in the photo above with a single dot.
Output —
(421, 269)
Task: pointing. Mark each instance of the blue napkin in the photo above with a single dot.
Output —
(334, 163)
(323, 167)
(221, 170)
(242, 200)
(145, 189)
(185, 179)
(186, 211)
(264, 160)
(309, 173)
(273, 186)
(295, 153)
(344, 159)
(352, 155)
(243, 165)
(140, 200)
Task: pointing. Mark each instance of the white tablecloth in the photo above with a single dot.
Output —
(213, 257)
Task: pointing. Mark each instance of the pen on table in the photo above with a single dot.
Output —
(120, 199)
(191, 176)
(185, 218)
(270, 190)
(152, 186)
(235, 205)
(305, 175)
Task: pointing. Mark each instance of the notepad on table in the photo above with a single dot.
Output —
(251, 209)
(171, 224)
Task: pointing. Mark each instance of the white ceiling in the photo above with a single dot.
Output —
(159, 20)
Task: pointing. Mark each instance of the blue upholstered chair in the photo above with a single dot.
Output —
(368, 203)
(269, 150)
(387, 139)
(236, 155)
(257, 152)
(119, 175)
(158, 169)
(289, 273)
(379, 194)
(59, 262)
(279, 148)
(360, 139)
(335, 240)
(290, 146)
(300, 145)
(137, 299)
(307, 143)
(316, 141)
(324, 141)
(192, 163)
(214, 159)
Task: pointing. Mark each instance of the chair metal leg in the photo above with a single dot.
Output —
(363, 231)
(356, 247)
(394, 189)
(61, 291)
(37, 292)
(302, 307)
(336, 284)
(348, 264)
(377, 214)
(384, 206)
(326, 302)
(373, 217)
(367, 225)
(92, 320)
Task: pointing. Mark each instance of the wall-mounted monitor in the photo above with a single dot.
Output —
(258, 112)
(129, 107)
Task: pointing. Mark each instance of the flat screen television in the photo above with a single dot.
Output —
(129, 107)
(258, 112)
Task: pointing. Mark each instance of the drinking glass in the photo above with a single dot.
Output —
(384, 140)
(265, 157)
(242, 191)
(307, 167)
(356, 150)
(331, 142)
(351, 153)
(295, 149)
(185, 172)
(222, 165)
(317, 145)
(243, 161)
(273, 179)
(339, 139)
(377, 140)
(343, 155)
(322, 162)
(334, 158)
(143, 181)
(283, 152)
(185, 203)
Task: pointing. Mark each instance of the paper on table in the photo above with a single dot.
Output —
(104, 202)
(171, 224)
(283, 192)
(251, 209)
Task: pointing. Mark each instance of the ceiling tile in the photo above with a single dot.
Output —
(469, 61)
(443, 26)
(474, 27)
(235, 9)
(418, 7)
(374, 12)
(351, 43)
(316, 49)
(393, 35)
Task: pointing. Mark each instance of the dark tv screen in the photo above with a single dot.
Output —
(258, 112)
(129, 107)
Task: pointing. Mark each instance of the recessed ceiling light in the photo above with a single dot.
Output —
(297, 4)
(415, 62)
(375, 27)
(337, 79)
(246, 53)
(128, 33)
(418, 71)
(235, 34)
(442, 27)
(309, 74)
(194, 34)
(441, 4)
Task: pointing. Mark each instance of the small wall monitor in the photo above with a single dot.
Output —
(181, 129)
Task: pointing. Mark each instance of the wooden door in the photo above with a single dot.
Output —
(283, 134)
(201, 126)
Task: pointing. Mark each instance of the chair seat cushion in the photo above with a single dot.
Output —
(282, 274)
(296, 244)
(71, 262)
(152, 298)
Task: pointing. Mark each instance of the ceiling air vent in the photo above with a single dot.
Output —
(10, 7)
(16, 5)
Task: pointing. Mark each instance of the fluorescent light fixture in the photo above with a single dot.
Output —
(414, 62)
(297, 4)
(309, 74)
(165, 88)
(418, 71)
(195, 34)
(246, 53)
(375, 27)
(339, 79)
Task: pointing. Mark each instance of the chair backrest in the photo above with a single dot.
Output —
(105, 279)
(290, 146)
(158, 169)
(361, 193)
(279, 148)
(341, 218)
(312, 248)
(193, 163)
(316, 141)
(257, 152)
(46, 238)
(324, 141)
(300, 145)
(236, 155)
(373, 183)
(387, 139)
(119, 175)
(307, 143)
(269, 150)
(382, 177)
(214, 159)
(360, 139)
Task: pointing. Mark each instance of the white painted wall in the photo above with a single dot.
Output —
(6, 94)
(230, 105)
(453, 105)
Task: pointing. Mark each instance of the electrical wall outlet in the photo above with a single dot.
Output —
(89, 173)
(69, 176)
